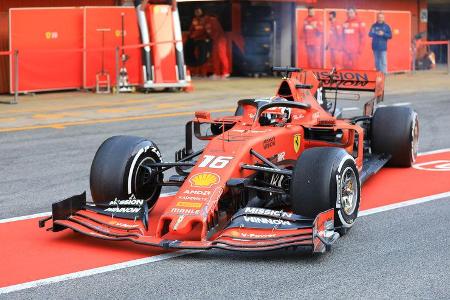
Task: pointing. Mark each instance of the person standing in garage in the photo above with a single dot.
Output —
(353, 39)
(312, 32)
(380, 32)
(197, 32)
(219, 56)
(334, 41)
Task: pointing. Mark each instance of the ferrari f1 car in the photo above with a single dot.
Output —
(284, 171)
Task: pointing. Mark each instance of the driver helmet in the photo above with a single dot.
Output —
(276, 115)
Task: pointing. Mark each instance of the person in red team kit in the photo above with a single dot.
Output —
(197, 32)
(219, 57)
(353, 39)
(312, 31)
(334, 41)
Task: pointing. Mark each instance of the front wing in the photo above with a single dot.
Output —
(250, 229)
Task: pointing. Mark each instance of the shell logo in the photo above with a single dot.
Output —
(205, 179)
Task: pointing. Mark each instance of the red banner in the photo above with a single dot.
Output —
(49, 42)
(399, 53)
(106, 22)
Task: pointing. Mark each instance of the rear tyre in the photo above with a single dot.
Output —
(326, 178)
(395, 131)
(118, 170)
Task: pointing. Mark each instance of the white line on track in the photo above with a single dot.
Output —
(434, 151)
(156, 258)
(401, 104)
(21, 218)
(350, 108)
(376, 210)
(128, 264)
(395, 104)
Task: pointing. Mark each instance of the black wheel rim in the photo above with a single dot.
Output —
(145, 183)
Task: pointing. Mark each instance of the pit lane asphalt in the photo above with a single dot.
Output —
(401, 253)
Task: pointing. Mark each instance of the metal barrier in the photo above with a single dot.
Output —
(430, 43)
(16, 73)
(184, 81)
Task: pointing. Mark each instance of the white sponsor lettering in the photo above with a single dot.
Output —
(215, 162)
(123, 225)
(195, 192)
(123, 209)
(249, 131)
(257, 236)
(266, 221)
(127, 202)
(267, 212)
(180, 219)
(185, 211)
(192, 198)
(156, 151)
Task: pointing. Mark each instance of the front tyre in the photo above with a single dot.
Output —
(326, 178)
(118, 170)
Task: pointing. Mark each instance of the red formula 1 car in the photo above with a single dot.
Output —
(284, 171)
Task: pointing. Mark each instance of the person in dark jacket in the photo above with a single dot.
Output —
(380, 32)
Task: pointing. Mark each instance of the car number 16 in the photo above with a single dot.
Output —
(215, 162)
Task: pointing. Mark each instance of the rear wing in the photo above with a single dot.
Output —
(344, 80)
(351, 80)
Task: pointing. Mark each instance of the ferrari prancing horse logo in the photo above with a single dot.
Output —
(297, 139)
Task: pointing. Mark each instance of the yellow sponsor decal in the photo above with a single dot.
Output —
(50, 35)
(297, 142)
(234, 233)
(189, 204)
(205, 179)
(118, 33)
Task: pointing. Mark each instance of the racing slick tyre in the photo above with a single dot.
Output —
(395, 131)
(118, 170)
(325, 178)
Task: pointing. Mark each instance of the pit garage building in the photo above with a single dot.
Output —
(265, 33)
